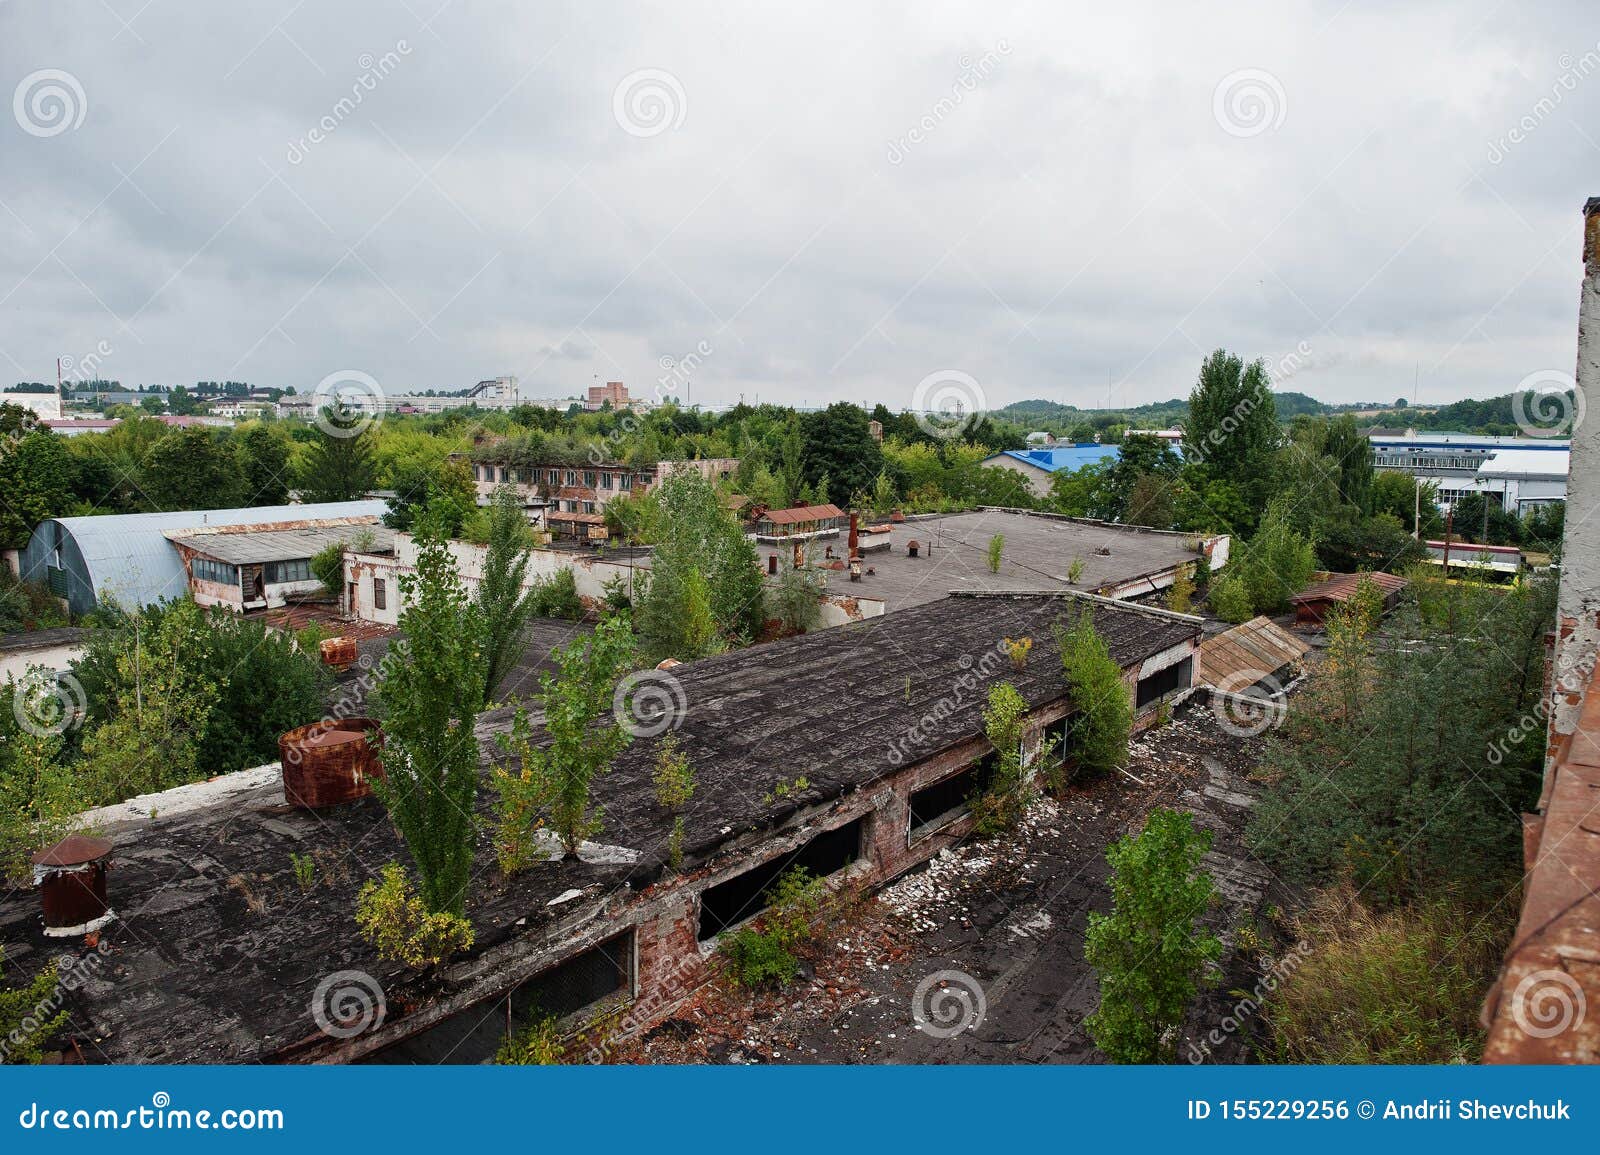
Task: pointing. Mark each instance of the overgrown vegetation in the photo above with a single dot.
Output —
(401, 926)
(502, 602)
(996, 552)
(28, 1017)
(1402, 985)
(796, 598)
(430, 754)
(673, 775)
(1404, 768)
(537, 1044)
(704, 591)
(1008, 788)
(585, 736)
(1102, 722)
(1149, 953)
(765, 956)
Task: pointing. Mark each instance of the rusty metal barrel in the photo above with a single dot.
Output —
(330, 762)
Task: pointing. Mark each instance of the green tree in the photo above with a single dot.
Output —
(1009, 789)
(1099, 729)
(35, 479)
(795, 599)
(430, 753)
(444, 487)
(192, 469)
(581, 720)
(264, 464)
(1232, 428)
(841, 456)
(1149, 953)
(505, 606)
(705, 590)
(791, 461)
(338, 468)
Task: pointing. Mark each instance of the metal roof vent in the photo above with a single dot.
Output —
(71, 877)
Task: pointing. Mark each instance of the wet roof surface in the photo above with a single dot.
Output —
(953, 555)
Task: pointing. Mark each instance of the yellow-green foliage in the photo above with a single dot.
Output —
(674, 776)
(26, 1021)
(536, 1045)
(393, 919)
(1401, 986)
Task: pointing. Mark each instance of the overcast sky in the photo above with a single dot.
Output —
(827, 202)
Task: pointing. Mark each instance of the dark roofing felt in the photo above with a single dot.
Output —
(217, 951)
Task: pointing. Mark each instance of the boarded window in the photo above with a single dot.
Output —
(380, 597)
(745, 895)
(1163, 682)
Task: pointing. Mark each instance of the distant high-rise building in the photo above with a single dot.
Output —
(613, 391)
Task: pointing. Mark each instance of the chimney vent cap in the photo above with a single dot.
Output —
(74, 850)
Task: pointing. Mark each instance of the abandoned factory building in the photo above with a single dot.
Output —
(851, 751)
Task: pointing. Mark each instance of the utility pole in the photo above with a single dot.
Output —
(1416, 490)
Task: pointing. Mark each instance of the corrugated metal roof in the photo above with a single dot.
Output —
(1059, 457)
(1340, 586)
(283, 544)
(1526, 463)
(1257, 647)
(801, 513)
(128, 556)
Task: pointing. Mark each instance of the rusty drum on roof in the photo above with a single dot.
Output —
(71, 877)
(330, 762)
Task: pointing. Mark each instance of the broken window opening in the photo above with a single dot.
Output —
(937, 806)
(744, 896)
(1163, 682)
(564, 990)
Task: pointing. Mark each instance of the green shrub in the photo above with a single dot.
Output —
(1098, 732)
(1230, 600)
(26, 1023)
(1148, 952)
(327, 566)
(1009, 790)
(766, 956)
(997, 549)
(538, 1044)
(394, 920)
(556, 596)
(674, 776)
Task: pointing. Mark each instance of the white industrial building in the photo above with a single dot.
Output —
(1516, 473)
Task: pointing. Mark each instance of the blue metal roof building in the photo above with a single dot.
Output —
(1058, 457)
(129, 557)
